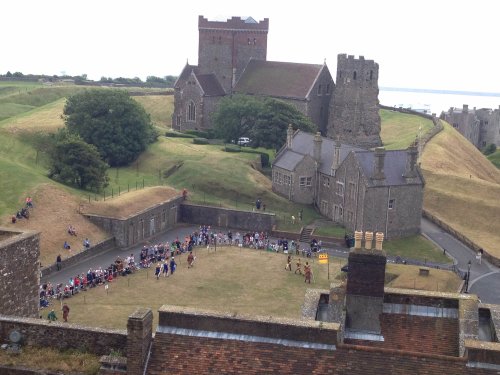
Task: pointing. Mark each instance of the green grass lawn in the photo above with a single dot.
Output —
(495, 158)
(416, 247)
(399, 130)
(330, 231)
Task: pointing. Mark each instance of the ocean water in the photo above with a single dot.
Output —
(436, 102)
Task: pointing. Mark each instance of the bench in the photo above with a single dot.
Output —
(423, 271)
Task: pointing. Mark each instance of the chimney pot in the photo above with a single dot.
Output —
(368, 240)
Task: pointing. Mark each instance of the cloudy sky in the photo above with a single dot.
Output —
(431, 44)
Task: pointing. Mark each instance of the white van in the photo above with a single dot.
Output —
(243, 141)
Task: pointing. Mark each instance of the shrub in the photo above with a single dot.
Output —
(200, 141)
(172, 134)
(264, 160)
(490, 149)
(209, 134)
(232, 148)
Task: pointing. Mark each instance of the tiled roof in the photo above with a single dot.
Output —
(186, 73)
(210, 85)
(288, 160)
(278, 79)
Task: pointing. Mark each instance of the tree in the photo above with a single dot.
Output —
(235, 116)
(265, 121)
(270, 129)
(76, 163)
(112, 121)
(490, 149)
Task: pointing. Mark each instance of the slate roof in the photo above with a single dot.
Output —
(278, 79)
(302, 144)
(186, 72)
(394, 167)
(210, 85)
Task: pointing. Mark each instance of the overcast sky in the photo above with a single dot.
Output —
(434, 44)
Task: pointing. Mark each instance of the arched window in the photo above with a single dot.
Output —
(191, 115)
(354, 75)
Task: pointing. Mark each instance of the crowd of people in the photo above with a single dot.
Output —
(23, 212)
(162, 257)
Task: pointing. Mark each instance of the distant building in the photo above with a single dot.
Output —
(480, 126)
(232, 58)
(360, 189)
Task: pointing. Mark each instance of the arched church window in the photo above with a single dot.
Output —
(354, 75)
(191, 112)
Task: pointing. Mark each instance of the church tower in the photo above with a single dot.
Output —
(354, 112)
(225, 48)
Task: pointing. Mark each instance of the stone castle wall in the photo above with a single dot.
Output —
(142, 226)
(354, 111)
(19, 273)
(225, 218)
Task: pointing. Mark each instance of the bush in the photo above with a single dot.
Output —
(173, 134)
(200, 141)
(490, 149)
(209, 134)
(232, 148)
(264, 160)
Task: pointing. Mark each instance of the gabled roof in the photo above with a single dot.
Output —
(210, 85)
(278, 79)
(302, 144)
(394, 167)
(186, 72)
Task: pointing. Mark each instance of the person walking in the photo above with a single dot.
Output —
(59, 262)
(65, 311)
(307, 273)
(173, 266)
(288, 266)
(299, 267)
(157, 271)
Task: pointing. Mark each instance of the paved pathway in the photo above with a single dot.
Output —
(484, 278)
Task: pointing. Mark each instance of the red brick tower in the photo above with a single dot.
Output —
(226, 47)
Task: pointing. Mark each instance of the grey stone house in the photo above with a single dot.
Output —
(360, 189)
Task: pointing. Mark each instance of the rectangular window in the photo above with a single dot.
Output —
(319, 89)
(328, 89)
(340, 189)
(392, 202)
(351, 192)
(350, 216)
(305, 181)
(324, 206)
(280, 178)
(287, 180)
(326, 181)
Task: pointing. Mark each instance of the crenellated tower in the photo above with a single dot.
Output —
(354, 111)
(225, 47)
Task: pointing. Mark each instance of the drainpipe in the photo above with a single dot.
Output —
(387, 210)
(357, 202)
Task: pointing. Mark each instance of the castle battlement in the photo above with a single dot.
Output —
(233, 24)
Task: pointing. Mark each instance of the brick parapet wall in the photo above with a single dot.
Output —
(19, 272)
(37, 332)
(86, 254)
(280, 328)
(213, 356)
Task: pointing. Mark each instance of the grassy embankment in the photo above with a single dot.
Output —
(462, 188)
(399, 130)
(495, 158)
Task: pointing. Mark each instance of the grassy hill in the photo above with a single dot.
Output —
(462, 188)
(495, 158)
(213, 176)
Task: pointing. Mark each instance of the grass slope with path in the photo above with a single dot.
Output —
(462, 188)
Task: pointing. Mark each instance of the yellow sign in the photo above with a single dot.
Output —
(323, 258)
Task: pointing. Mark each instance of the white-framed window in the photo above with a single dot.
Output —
(340, 189)
(305, 181)
(326, 181)
(280, 178)
(191, 115)
(392, 204)
(324, 206)
(350, 216)
(287, 180)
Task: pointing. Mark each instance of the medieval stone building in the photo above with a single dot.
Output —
(232, 58)
(480, 126)
(360, 189)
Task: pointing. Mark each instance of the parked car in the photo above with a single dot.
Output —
(244, 141)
